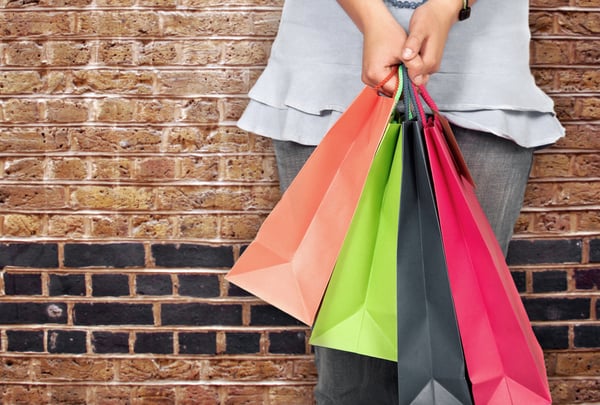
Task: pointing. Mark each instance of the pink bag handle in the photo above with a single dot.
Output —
(457, 156)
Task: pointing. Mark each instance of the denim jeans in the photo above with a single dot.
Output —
(500, 169)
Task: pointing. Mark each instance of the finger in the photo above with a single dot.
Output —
(416, 71)
(412, 47)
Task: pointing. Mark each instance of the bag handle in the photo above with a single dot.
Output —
(400, 86)
(416, 93)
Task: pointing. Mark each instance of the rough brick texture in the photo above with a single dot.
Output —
(127, 191)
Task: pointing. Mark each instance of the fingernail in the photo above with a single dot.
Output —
(418, 80)
(407, 53)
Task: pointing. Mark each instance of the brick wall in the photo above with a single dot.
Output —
(126, 192)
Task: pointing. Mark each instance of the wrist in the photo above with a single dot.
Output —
(465, 11)
(456, 10)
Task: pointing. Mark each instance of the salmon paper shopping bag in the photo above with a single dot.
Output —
(290, 261)
(504, 360)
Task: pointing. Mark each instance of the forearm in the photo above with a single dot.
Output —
(366, 13)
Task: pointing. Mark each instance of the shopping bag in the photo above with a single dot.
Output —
(358, 312)
(504, 360)
(431, 368)
(290, 261)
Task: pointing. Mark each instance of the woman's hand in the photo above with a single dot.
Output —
(386, 44)
(383, 40)
(428, 32)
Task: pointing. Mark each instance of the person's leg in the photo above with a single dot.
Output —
(500, 169)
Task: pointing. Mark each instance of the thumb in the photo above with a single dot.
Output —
(412, 47)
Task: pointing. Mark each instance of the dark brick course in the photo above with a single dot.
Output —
(110, 285)
(23, 284)
(32, 313)
(108, 342)
(25, 341)
(242, 343)
(197, 285)
(153, 284)
(34, 255)
(587, 336)
(187, 255)
(267, 315)
(557, 309)
(60, 341)
(287, 342)
(117, 255)
(113, 314)
(552, 337)
(595, 251)
(522, 251)
(157, 343)
(549, 281)
(587, 279)
(198, 314)
(520, 280)
(198, 343)
(69, 284)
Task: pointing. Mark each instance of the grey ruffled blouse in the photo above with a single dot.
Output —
(484, 82)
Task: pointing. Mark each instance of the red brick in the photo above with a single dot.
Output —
(63, 111)
(67, 168)
(137, 370)
(201, 168)
(70, 226)
(24, 169)
(115, 140)
(541, 23)
(109, 227)
(199, 226)
(23, 225)
(118, 23)
(112, 169)
(113, 82)
(33, 197)
(207, 23)
(551, 165)
(202, 82)
(550, 52)
(159, 53)
(552, 222)
(21, 111)
(75, 369)
(197, 394)
(114, 198)
(14, 369)
(37, 23)
(69, 53)
(195, 53)
(587, 52)
(294, 395)
(586, 136)
(33, 139)
(153, 227)
(245, 370)
(23, 53)
(240, 227)
(20, 82)
(578, 23)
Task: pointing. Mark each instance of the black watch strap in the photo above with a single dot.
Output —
(464, 12)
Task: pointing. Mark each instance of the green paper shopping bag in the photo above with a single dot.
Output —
(358, 311)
